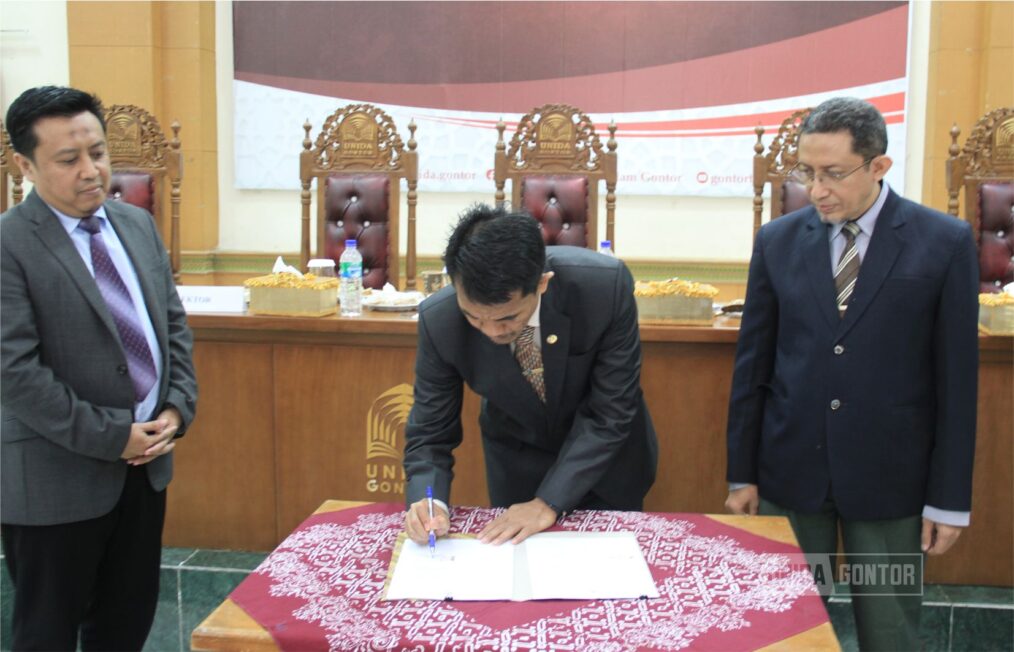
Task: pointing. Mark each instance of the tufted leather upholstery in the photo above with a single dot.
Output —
(137, 188)
(995, 212)
(560, 204)
(356, 207)
(794, 197)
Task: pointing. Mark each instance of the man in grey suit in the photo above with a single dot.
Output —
(97, 384)
(854, 393)
(548, 337)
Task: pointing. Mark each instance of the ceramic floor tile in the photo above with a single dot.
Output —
(844, 625)
(6, 607)
(176, 556)
(982, 629)
(226, 559)
(935, 628)
(202, 591)
(165, 631)
(992, 595)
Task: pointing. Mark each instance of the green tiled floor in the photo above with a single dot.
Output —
(194, 582)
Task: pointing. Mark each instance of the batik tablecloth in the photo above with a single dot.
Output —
(721, 588)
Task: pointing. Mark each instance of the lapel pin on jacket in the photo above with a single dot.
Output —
(552, 339)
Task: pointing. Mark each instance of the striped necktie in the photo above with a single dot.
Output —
(140, 362)
(847, 271)
(528, 355)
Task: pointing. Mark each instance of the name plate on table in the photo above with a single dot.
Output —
(212, 298)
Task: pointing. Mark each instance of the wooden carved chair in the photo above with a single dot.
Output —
(984, 167)
(359, 160)
(774, 166)
(554, 163)
(147, 169)
(11, 180)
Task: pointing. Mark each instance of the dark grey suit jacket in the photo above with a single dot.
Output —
(876, 409)
(592, 439)
(67, 397)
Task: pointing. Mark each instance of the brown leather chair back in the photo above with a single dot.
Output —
(984, 167)
(359, 160)
(147, 169)
(555, 162)
(774, 166)
(11, 179)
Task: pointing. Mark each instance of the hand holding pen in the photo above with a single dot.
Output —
(418, 521)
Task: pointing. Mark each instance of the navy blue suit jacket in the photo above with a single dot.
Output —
(876, 409)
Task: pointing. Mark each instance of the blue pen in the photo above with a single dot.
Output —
(433, 535)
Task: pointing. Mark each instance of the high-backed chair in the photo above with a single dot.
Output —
(359, 160)
(147, 170)
(984, 167)
(786, 195)
(555, 162)
(11, 179)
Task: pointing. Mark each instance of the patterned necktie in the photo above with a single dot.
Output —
(139, 359)
(528, 355)
(847, 271)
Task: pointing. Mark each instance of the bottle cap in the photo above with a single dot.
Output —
(605, 243)
(350, 243)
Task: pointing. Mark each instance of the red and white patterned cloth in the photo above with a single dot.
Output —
(721, 588)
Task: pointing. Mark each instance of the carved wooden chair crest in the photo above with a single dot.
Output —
(555, 162)
(11, 179)
(774, 166)
(984, 167)
(146, 168)
(359, 160)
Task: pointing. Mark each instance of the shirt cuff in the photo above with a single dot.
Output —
(946, 516)
(736, 486)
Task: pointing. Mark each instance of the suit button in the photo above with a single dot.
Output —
(835, 404)
(839, 349)
(122, 370)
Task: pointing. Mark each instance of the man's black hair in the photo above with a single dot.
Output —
(46, 102)
(858, 117)
(492, 253)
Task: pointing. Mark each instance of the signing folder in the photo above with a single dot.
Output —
(546, 566)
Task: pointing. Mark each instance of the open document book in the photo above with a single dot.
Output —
(546, 566)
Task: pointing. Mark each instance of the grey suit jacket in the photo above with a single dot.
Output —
(592, 438)
(66, 394)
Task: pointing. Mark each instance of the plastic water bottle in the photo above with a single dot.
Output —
(606, 247)
(350, 267)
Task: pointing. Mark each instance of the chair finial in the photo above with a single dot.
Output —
(611, 143)
(411, 134)
(306, 139)
(954, 150)
(758, 147)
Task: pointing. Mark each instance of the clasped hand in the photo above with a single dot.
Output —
(150, 439)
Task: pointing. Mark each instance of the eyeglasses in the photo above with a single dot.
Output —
(806, 176)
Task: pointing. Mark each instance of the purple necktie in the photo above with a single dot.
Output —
(121, 306)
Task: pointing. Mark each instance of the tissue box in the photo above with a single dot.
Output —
(675, 302)
(288, 294)
(996, 313)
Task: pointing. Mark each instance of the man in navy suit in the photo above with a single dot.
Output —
(854, 393)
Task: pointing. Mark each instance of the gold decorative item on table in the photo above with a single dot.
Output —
(675, 301)
(996, 313)
(433, 281)
(285, 293)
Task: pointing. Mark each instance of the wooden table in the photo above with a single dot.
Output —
(294, 410)
(229, 628)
